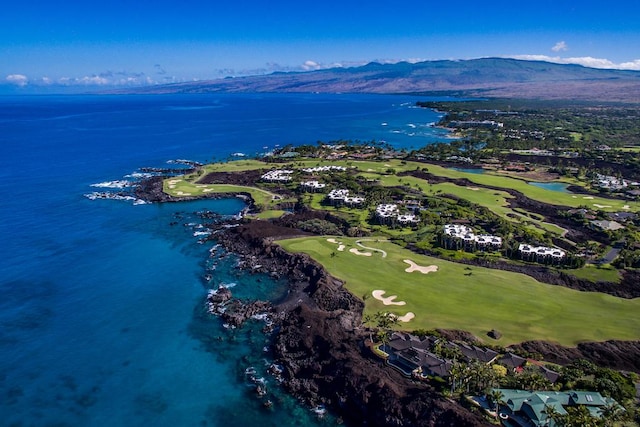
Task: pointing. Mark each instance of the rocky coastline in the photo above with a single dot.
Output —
(319, 341)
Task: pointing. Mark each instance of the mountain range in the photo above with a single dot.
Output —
(486, 77)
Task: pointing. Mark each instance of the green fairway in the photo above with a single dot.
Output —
(537, 193)
(494, 200)
(474, 299)
(179, 187)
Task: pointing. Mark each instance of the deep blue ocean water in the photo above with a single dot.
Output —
(101, 301)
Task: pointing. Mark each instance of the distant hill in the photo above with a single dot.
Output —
(489, 77)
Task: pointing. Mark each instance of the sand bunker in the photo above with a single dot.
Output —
(626, 207)
(407, 317)
(378, 294)
(473, 188)
(335, 242)
(182, 193)
(601, 206)
(422, 269)
(588, 197)
(207, 190)
(358, 252)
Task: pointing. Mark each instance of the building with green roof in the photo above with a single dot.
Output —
(533, 408)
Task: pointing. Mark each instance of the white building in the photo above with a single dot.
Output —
(282, 175)
(318, 169)
(341, 197)
(312, 186)
(540, 253)
(470, 239)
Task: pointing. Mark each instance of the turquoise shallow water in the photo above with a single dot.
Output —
(553, 186)
(101, 301)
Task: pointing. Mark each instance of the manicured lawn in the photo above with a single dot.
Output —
(269, 214)
(474, 299)
(596, 274)
(179, 187)
(537, 193)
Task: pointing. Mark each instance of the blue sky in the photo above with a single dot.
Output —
(142, 42)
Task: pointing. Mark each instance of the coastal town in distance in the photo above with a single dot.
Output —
(492, 278)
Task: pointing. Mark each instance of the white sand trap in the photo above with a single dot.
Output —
(341, 248)
(588, 197)
(207, 190)
(378, 294)
(473, 188)
(174, 181)
(407, 317)
(334, 241)
(601, 206)
(358, 252)
(370, 170)
(422, 269)
(182, 193)
(172, 186)
(626, 207)
(574, 197)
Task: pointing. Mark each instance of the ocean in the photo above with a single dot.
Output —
(102, 318)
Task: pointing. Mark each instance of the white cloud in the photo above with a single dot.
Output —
(561, 46)
(311, 65)
(631, 65)
(17, 79)
(586, 61)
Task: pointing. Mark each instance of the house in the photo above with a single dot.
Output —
(622, 216)
(532, 408)
(416, 356)
(512, 361)
(607, 225)
(472, 352)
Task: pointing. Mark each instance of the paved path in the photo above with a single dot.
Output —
(612, 254)
(358, 242)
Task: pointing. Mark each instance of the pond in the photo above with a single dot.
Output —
(553, 186)
(476, 171)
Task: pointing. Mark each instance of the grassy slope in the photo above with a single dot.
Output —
(515, 304)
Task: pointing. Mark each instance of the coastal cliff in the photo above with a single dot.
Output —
(320, 344)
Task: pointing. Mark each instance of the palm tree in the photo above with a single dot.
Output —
(456, 373)
(496, 397)
(610, 414)
(552, 414)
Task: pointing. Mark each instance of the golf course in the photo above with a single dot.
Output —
(430, 293)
